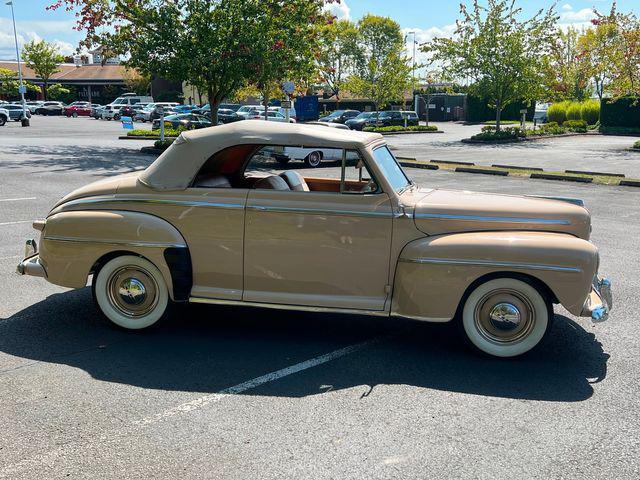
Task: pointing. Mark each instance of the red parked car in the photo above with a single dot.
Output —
(78, 109)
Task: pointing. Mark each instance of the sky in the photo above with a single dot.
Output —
(427, 18)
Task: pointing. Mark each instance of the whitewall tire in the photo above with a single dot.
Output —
(131, 292)
(506, 317)
(314, 159)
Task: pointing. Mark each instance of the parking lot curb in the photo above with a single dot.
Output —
(518, 167)
(406, 133)
(151, 150)
(125, 137)
(484, 171)
(630, 183)
(425, 166)
(453, 162)
(604, 174)
(565, 178)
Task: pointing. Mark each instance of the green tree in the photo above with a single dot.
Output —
(382, 71)
(218, 46)
(502, 54)
(9, 84)
(568, 71)
(43, 58)
(337, 54)
(59, 92)
(136, 82)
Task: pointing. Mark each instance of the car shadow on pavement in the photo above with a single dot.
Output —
(81, 158)
(209, 348)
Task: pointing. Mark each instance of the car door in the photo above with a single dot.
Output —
(318, 248)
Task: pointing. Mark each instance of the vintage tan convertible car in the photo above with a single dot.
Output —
(219, 218)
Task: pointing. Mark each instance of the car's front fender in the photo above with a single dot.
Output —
(433, 273)
(73, 241)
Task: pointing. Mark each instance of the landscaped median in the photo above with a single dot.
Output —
(397, 129)
(169, 133)
(601, 178)
(490, 134)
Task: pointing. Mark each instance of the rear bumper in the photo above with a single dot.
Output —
(599, 302)
(31, 264)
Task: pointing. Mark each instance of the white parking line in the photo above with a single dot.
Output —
(62, 452)
(206, 400)
(16, 199)
(16, 223)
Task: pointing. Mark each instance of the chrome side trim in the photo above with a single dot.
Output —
(315, 211)
(480, 218)
(113, 242)
(277, 306)
(488, 263)
(574, 201)
(152, 201)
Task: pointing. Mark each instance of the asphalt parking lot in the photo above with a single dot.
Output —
(248, 393)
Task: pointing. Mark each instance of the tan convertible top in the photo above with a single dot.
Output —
(178, 165)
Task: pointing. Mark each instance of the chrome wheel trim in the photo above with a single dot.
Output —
(504, 316)
(132, 291)
(314, 159)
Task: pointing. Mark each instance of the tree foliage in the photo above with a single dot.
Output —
(500, 53)
(568, 71)
(218, 46)
(336, 59)
(381, 70)
(43, 58)
(9, 84)
(136, 82)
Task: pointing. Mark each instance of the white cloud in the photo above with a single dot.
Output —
(580, 19)
(567, 7)
(49, 30)
(339, 8)
(423, 36)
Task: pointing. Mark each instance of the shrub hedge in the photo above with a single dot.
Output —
(168, 132)
(591, 111)
(162, 145)
(637, 145)
(478, 110)
(624, 112)
(560, 112)
(398, 128)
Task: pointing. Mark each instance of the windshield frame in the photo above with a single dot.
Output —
(387, 173)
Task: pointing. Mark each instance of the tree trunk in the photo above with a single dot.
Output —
(44, 91)
(265, 103)
(213, 105)
(498, 114)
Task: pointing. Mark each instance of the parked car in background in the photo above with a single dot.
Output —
(245, 110)
(396, 118)
(339, 126)
(4, 115)
(271, 116)
(226, 115)
(96, 112)
(50, 108)
(184, 108)
(32, 105)
(78, 109)
(340, 116)
(283, 111)
(188, 121)
(365, 119)
(111, 112)
(16, 112)
(132, 99)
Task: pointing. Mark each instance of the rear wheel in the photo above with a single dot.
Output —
(131, 292)
(75, 114)
(3, 120)
(313, 160)
(506, 317)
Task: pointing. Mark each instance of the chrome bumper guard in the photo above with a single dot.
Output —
(31, 264)
(600, 301)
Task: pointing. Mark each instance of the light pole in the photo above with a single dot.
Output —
(21, 88)
(413, 68)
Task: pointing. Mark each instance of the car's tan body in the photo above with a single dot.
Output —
(413, 254)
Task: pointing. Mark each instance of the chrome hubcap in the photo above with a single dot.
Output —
(132, 291)
(504, 316)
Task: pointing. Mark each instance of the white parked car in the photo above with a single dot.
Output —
(146, 114)
(111, 112)
(4, 116)
(271, 116)
(131, 99)
(32, 105)
(245, 110)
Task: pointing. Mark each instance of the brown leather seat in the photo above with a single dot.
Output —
(295, 181)
(216, 181)
(272, 182)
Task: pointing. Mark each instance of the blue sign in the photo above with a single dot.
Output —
(127, 123)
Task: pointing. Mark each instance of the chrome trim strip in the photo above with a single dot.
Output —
(479, 218)
(113, 242)
(150, 201)
(277, 306)
(488, 263)
(315, 211)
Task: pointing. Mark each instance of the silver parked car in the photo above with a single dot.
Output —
(16, 112)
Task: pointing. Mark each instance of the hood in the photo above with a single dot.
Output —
(449, 211)
(107, 186)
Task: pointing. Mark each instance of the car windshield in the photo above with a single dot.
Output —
(385, 114)
(389, 166)
(335, 114)
(246, 108)
(364, 115)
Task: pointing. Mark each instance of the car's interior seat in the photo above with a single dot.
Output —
(295, 181)
(214, 181)
(272, 182)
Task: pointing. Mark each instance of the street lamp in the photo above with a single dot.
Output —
(413, 68)
(22, 89)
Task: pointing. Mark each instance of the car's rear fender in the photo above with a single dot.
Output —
(75, 243)
(433, 273)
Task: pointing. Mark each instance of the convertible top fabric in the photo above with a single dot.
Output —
(178, 165)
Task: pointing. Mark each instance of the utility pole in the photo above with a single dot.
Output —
(413, 69)
(22, 89)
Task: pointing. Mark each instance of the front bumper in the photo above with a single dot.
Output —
(31, 264)
(599, 302)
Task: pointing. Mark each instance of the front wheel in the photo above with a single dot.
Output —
(116, 116)
(131, 292)
(75, 114)
(3, 120)
(506, 317)
(313, 160)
